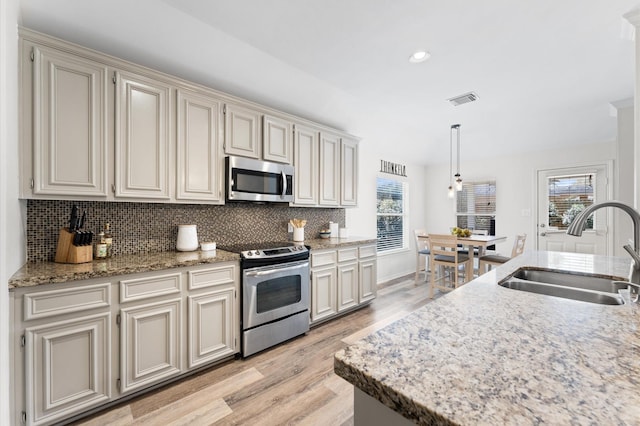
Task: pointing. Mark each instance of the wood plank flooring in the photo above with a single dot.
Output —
(292, 384)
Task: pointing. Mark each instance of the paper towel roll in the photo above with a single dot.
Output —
(333, 227)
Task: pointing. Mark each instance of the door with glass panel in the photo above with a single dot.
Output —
(562, 194)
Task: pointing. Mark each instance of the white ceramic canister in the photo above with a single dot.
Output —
(187, 238)
(298, 234)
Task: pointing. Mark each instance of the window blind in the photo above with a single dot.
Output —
(391, 223)
(476, 205)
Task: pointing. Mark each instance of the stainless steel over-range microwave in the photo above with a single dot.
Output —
(255, 180)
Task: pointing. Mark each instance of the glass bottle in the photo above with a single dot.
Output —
(101, 247)
(108, 239)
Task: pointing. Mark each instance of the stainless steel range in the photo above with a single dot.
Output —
(275, 293)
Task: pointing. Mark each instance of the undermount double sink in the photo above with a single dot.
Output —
(569, 285)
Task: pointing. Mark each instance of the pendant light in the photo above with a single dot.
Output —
(457, 175)
(451, 192)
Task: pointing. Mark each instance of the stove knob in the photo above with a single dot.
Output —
(249, 253)
(257, 253)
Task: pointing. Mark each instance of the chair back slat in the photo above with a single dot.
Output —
(443, 244)
(518, 245)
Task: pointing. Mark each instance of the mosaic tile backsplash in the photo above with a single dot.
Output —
(148, 228)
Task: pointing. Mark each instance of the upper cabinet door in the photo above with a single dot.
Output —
(199, 157)
(143, 126)
(241, 131)
(277, 141)
(69, 125)
(349, 172)
(306, 163)
(329, 169)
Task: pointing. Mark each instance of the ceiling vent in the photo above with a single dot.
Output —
(463, 99)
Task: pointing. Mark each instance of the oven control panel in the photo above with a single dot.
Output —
(273, 252)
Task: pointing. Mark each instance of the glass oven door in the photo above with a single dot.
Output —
(274, 292)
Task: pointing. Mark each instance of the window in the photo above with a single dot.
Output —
(476, 205)
(568, 196)
(391, 211)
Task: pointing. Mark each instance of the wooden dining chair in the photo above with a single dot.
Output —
(444, 252)
(497, 260)
(422, 249)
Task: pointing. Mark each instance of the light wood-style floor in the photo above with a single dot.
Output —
(292, 384)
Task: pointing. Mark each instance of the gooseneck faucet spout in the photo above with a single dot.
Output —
(577, 226)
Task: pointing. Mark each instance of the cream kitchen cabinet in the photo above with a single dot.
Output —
(342, 279)
(277, 139)
(348, 172)
(150, 345)
(199, 165)
(324, 285)
(65, 116)
(79, 345)
(306, 163)
(336, 178)
(213, 310)
(329, 170)
(94, 127)
(367, 273)
(242, 130)
(143, 129)
(65, 351)
(347, 278)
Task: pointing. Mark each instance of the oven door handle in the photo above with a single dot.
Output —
(275, 269)
(284, 184)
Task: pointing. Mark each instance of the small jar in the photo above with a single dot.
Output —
(101, 247)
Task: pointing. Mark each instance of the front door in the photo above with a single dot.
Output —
(562, 194)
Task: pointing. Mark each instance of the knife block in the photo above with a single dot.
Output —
(66, 252)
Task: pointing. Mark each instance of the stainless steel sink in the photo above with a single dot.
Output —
(580, 281)
(567, 285)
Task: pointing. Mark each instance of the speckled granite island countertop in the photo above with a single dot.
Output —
(331, 243)
(37, 273)
(488, 355)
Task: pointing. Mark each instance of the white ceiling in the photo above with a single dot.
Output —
(545, 71)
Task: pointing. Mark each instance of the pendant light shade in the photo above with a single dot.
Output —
(458, 178)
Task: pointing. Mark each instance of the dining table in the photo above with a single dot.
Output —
(481, 242)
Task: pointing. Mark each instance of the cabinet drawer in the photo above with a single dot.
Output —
(324, 258)
(347, 254)
(367, 251)
(211, 277)
(50, 303)
(144, 288)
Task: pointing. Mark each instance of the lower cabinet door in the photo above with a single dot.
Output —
(68, 367)
(149, 344)
(368, 280)
(323, 293)
(211, 326)
(347, 286)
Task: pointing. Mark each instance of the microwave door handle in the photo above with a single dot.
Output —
(284, 184)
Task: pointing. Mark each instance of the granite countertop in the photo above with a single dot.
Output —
(484, 354)
(38, 273)
(330, 243)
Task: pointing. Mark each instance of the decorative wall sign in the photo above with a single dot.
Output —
(393, 168)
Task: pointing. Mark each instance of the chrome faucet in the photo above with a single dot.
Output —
(577, 226)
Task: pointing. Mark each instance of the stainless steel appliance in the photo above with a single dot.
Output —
(275, 293)
(254, 180)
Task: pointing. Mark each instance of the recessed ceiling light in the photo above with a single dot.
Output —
(419, 56)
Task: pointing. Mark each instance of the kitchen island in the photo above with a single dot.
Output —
(485, 354)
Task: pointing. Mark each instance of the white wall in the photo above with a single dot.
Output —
(11, 228)
(515, 185)
(624, 190)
